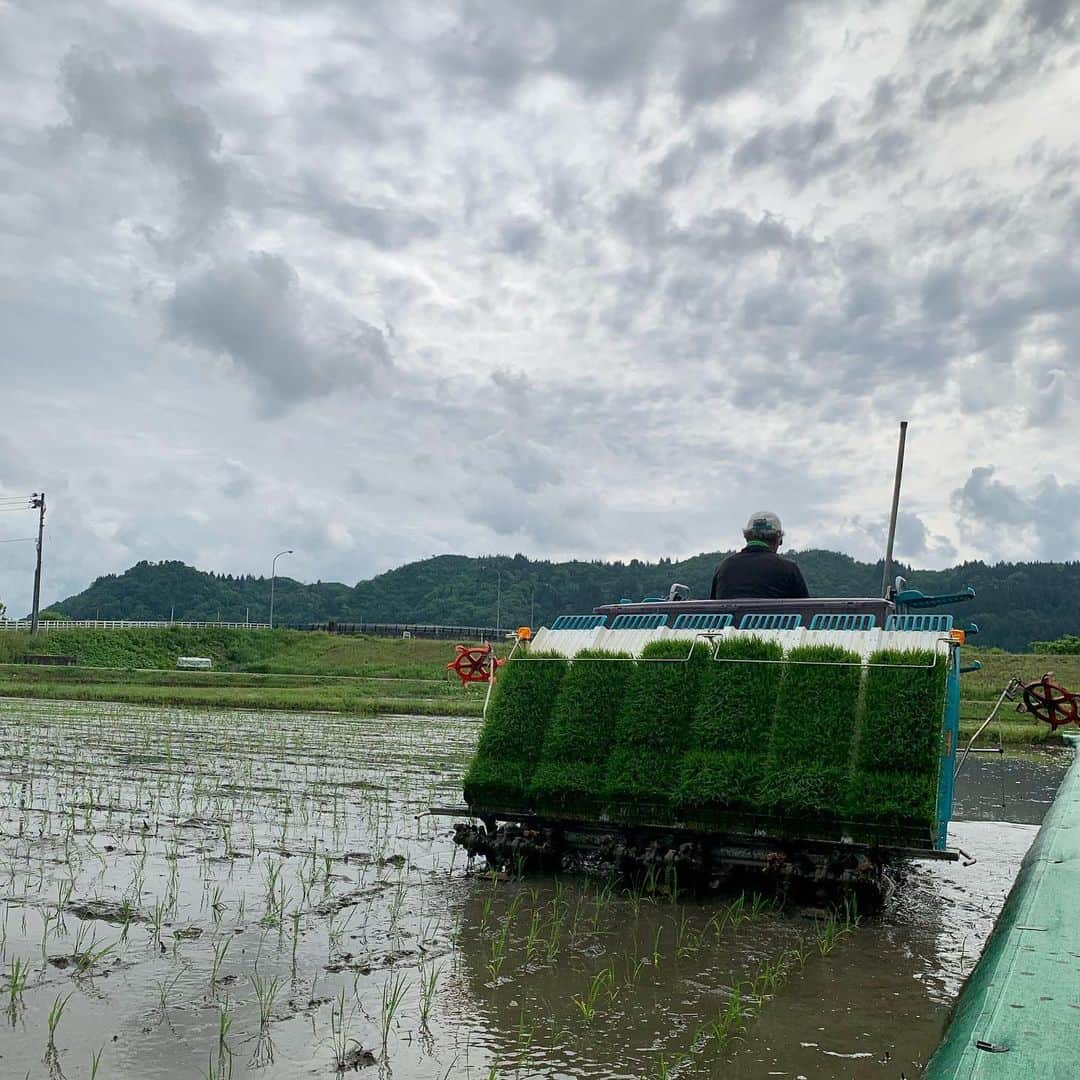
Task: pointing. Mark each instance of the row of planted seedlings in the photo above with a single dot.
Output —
(579, 968)
(226, 864)
(810, 737)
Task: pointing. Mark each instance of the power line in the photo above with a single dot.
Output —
(18, 540)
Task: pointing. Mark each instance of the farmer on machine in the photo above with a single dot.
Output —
(757, 571)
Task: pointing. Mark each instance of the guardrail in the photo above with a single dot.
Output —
(46, 625)
(420, 630)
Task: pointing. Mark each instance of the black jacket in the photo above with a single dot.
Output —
(757, 572)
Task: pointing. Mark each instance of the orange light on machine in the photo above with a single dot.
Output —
(524, 633)
(958, 636)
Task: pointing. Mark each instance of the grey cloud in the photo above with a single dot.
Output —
(868, 298)
(15, 468)
(801, 149)
(916, 543)
(734, 47)
(1042, 517)
(889, 148)
(521, 236)
(645, 221)
(777, 304)
(988, 500)
(290, 343)
(885, 97)
(665, 311)
(804, 150)
(943, 294)
(239, 482)
(140, 109)
(1050, 398)
(386, 225)
(976, 83)
(1050, 14)
(358, 482)
(684, 160)
(596, 45)
(1051, 287)
(607, 41)
(526, 464)
(337, 103)
(561, 523)
(944, 20)
(516, 385)
(1023, 46)
(610, 44)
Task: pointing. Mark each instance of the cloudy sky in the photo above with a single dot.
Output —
(594, 278)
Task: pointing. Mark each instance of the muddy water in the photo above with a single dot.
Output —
(245, 894)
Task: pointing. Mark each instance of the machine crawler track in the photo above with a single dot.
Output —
(662, 860)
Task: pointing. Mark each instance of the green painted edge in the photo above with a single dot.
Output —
(1024, 993)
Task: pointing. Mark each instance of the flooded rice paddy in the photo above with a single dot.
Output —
(211, 894)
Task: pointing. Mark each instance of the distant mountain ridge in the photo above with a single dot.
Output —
(1016, 603)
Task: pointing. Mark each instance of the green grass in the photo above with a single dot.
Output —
(581, 734)
(998, 667)
(514, 731)
(262, 651)
(980, 689)
(652, 731)
(311, 672)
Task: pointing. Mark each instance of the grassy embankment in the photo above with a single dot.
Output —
(979, 690)
(283, 669)
(288, 669)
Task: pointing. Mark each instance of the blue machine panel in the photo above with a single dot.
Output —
(938, 624)
(842, 622)
(579, 622)
(702, 621)
(950, 735)
(639, 622)
(770, 622)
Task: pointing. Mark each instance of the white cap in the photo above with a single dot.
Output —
(763, 523)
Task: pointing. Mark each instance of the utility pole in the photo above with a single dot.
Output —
(886, 569)
(37, 502)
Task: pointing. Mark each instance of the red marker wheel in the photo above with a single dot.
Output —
(476, 664)
(1049, 702)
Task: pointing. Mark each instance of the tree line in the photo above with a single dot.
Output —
(1016, 603)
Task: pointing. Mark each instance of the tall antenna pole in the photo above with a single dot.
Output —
(38, 503)
(886, 571)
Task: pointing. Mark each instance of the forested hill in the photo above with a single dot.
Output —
(1016, 603)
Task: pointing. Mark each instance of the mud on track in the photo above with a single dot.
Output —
(198, 893)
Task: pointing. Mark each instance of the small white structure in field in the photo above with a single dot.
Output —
(195, 663)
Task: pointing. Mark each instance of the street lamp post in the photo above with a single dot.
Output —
(532, 601)
(273, 575)
(498, 603)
